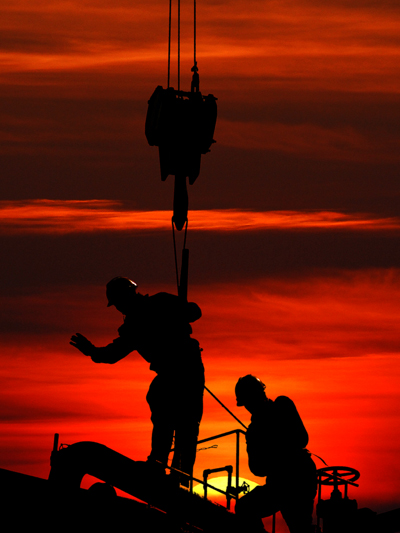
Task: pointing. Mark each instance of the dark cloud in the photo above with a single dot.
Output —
(16, 40)
(313, 27)
(257, 179)
(365, 112)
(97, 149)
(80, 29)
(381, 7)
(39, 261)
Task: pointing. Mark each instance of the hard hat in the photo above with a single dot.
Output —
(118, 287)
(247, 386)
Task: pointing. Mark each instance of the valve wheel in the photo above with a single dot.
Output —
(337, 475)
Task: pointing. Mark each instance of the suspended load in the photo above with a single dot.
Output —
(182, 125)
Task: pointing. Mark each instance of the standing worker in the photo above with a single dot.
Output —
(276, 445)
(158, 327)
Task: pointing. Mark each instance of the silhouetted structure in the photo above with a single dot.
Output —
(276, 441)
(340, 514)
(31, 503)
(182, 125)
(158, 327)
(181, 509)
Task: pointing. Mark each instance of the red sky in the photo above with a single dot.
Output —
(294, 221)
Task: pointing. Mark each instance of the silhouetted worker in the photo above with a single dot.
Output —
(276, 441)
(158, 327)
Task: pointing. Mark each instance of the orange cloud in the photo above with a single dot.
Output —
(73, 216)
(314, 45)
(331, 344)
(349, 315)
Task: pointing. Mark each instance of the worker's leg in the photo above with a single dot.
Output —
(189, 413)
(158, 398)
(299, 493)
(252, 507)
(185, 448)
(189, 392)
(298, 515)
(161, 441)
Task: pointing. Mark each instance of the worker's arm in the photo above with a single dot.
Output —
(292, 433)
(110, 354)
(256, 450)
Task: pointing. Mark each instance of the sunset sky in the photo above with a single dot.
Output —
(294, 221)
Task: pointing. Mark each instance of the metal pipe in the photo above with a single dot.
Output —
(228, 488)
(237, 463)
(209, 471)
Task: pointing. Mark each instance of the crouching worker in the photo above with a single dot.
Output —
(276, 440)
(158, 327)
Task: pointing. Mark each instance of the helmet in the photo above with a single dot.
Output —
(248, 386)
(118, 287)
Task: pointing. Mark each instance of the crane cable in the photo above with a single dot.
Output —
(169, 42)
(169, 81)
(179, 40)
(194, 33)
(178, 285)
(179, 45)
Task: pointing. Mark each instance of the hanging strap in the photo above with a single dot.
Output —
(175, 256)
(184, 249)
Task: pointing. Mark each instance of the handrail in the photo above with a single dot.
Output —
(192, 479)
(215, 437)
(209, 471)
(222, 435)
(237, 431)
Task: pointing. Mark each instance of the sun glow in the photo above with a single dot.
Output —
(221, 483)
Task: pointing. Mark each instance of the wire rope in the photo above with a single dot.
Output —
(194, 33)
(169, 42)
(179, 45)
(179, 40)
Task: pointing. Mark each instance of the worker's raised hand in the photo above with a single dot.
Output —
(82, 344)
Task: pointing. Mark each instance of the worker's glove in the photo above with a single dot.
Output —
(82, 344)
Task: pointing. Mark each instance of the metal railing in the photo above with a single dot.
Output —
(236, 432)
(231, 492)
